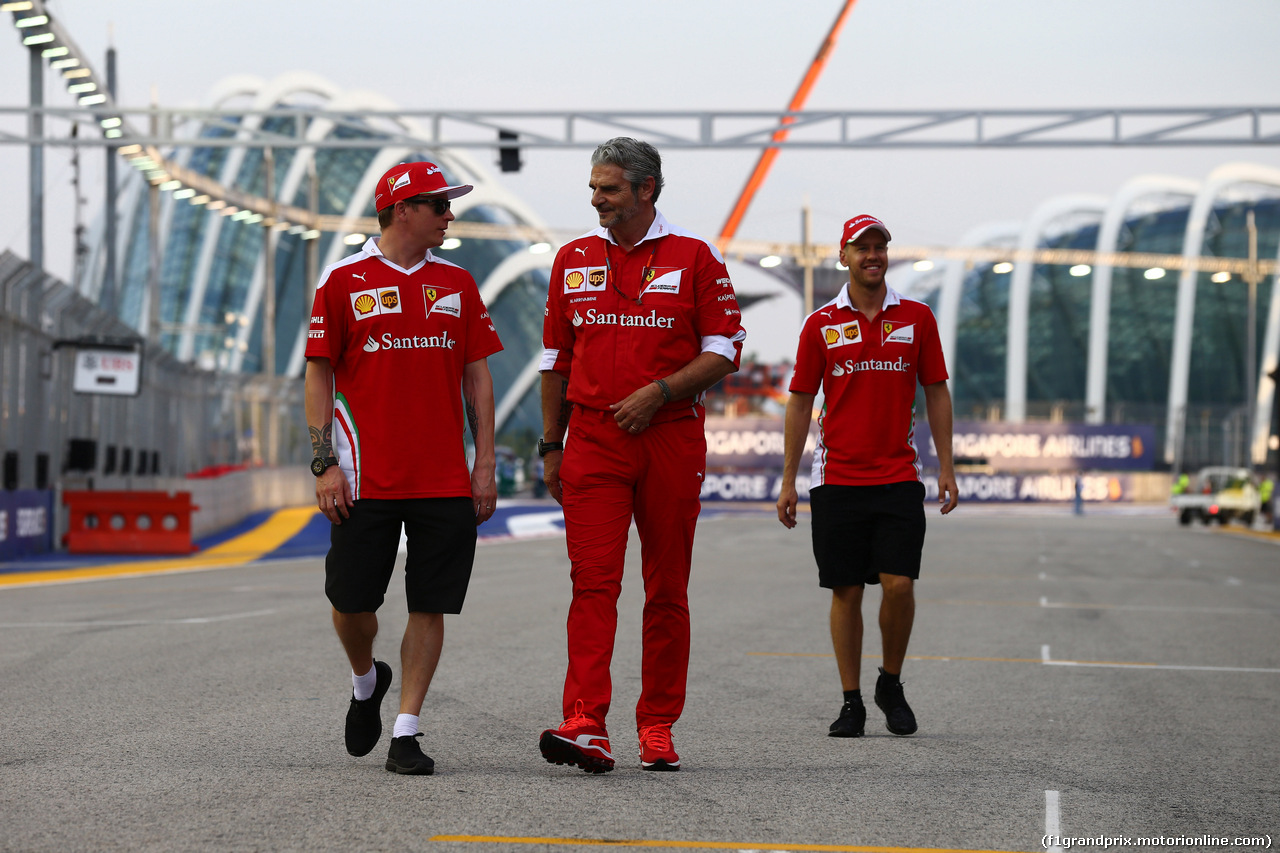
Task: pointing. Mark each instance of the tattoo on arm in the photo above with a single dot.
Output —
(565, 408)
(322, 440)
(473, 419)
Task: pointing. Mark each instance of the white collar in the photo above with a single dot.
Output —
(891, 297)
(372, 249)
(660, 227)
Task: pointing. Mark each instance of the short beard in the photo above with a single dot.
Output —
(620, 215)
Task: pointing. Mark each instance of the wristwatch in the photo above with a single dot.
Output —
(320, 464)
(545, 447)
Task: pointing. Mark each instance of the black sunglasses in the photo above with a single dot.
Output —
(439, 205)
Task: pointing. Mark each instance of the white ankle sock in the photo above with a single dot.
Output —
(364, 684)
(406, 725)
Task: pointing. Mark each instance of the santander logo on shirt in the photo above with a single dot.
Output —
(840, 368)
(601, 318)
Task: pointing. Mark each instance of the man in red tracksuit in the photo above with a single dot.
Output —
(641, 319)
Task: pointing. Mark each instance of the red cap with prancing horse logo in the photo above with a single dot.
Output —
(412, 179)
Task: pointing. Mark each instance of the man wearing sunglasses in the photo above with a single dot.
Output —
(641, 319)
(394, 333)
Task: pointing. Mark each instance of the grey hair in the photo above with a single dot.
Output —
(638, 160)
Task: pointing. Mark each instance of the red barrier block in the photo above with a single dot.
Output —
(129, 522)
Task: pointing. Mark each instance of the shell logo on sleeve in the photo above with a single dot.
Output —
(379, 300)
(839, 334)
(584, 279)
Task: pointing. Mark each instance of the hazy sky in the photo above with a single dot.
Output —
(703, 54)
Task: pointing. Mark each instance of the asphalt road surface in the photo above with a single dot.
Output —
(1097, 676)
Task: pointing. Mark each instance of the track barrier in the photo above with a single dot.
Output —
(129, 522)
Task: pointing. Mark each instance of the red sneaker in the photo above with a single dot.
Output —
(656, 751)
(581, 741)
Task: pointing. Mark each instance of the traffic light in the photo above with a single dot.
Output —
(508, 156)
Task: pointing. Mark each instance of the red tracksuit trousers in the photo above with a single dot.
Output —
(608, 476)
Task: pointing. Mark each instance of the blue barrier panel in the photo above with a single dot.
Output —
(26, 523)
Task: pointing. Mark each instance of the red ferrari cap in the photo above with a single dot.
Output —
(410, 179)
(854, 227)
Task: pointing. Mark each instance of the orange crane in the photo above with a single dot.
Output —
(767, 156)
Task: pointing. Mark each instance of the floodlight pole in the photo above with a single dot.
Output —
(1251, 332)
(807, 259)
(35, 125)
(107, 299)
(269, 310)
(153, 244)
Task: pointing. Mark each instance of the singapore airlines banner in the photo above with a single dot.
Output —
(1045, 446)
(1028, 462)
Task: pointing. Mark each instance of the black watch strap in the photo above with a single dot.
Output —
(545, 447)
(320, 464)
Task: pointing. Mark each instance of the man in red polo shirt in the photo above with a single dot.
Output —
(865, 350)
(395, 333)
(641, 319)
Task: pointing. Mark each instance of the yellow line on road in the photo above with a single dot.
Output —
(1271, 535)
(696, 845)
(263, 539)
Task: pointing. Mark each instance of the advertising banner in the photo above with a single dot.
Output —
(1046, 446)
(107, 371)
(752, 443)
(26, 523)
(1010, 488)
(1030, 462)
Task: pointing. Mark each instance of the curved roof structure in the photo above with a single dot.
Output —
(1094, 341)
(212, 257)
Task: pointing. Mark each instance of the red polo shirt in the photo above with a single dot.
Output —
(615, 320)
(398, 340)
(867, 371)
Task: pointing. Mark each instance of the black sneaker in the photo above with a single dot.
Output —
(853, 717)
(406, 758)
(364, 717)
(897, 713)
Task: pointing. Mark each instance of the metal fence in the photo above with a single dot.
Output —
(183, 419)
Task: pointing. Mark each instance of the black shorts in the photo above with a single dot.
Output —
(861, 532)
(441, 534)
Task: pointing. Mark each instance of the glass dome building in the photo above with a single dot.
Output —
(1093, 342)
(212, 274)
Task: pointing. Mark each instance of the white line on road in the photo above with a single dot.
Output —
(1051, 823)
(123, 623)
(1159, 608)
(1048, 661)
